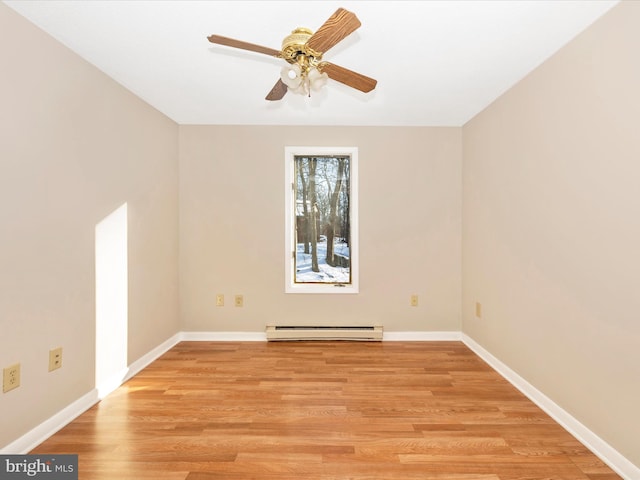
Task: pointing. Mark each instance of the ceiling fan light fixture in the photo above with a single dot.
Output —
(303, 81)
(303, 76)
(291, 76)
(317, 79)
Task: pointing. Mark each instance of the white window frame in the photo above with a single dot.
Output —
(290, 247)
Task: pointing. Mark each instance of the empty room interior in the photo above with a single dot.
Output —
(494, 226)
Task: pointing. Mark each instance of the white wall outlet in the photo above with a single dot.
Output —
(220, 300)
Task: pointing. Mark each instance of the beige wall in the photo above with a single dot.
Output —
(549, 200)
(232, 236)
(551, 236)
(74, 146)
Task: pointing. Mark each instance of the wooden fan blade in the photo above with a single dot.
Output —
(278, 91)
(336, 28)
(230, 42)
(348, 77)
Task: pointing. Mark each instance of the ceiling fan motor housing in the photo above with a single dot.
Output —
(295, 44)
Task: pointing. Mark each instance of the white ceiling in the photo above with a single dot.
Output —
(436, 62)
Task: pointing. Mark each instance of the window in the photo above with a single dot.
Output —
(321, 220)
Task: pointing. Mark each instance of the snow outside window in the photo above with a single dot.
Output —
(321, 220)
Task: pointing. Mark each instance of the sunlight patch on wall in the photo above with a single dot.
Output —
(111, 300)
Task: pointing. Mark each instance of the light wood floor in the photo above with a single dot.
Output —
(321, 410)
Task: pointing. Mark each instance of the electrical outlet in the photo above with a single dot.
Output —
(414, 300)
(239, 300)
(11, 377)
(220, 300)
(55, 359)
(478, 310)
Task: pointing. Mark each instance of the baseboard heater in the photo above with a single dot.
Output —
(369, 333)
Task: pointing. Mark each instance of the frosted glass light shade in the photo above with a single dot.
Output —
(291, 76)
(317, 80)
(302, 81)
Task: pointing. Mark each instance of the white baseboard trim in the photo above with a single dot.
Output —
(421, 336)
(224, 336)
(108, 386)
(621, 465)
(144, 361)
(609, 455)
(262, 336)
(112, 383)
(37, 435)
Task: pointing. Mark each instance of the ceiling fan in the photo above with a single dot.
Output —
(303, 50)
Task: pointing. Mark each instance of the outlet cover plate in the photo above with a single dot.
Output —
(11, 377)
(55, 359)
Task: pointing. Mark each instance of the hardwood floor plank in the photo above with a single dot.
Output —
(325, 411)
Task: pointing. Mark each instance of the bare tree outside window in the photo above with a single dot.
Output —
(320, 224)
